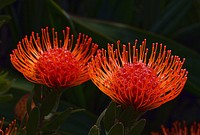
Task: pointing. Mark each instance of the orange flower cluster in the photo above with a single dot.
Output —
(10, 130)
(180, 129)
(50, 61)
(131, 78)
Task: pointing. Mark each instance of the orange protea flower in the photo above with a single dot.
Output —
(10, 130)
(21, 107)
(53, 62)
(180, 129)
(133, 78)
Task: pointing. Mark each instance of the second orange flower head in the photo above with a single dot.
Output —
(134, 78)
(53, 62)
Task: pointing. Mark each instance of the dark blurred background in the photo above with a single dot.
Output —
(171, 22)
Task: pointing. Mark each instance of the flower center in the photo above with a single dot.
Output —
(57, 67)
(135, 83)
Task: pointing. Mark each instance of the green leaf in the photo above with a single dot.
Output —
(76, 96)
(184, 33)
(4, 19)
(117, 129)
(137, 128)
(33, 122)
(53, 4)
(170, 13)
(56, 122)
(20, 82)
(149, 12)
(5, 98)
(4, 83)
(171, 25)
(50, 102)
(5, 3)
(94, 130)
(111, 32)
(4, 87)
(78, 123)
(129, 115)
(37, 94)
(110, 116)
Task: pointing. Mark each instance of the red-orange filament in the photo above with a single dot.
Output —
(131, 77)
(179, 128)
(54, 62)
(10, 130)
(58, 67)
(134, 83)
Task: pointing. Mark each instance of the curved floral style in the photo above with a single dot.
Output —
(133, 78)
(47, 60)
(179, 128)
(10, 130)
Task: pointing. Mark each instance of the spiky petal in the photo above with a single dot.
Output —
(50, 61)
(131, 78)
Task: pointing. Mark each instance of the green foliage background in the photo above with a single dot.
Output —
(171, 22)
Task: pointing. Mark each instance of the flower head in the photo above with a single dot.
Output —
(50, 61)
(179, 128)
(10, 130)
(133, 78)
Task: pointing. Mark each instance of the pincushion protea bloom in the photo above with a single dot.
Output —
(131, 78)
(50, 61)
(10, 130)
(179, 128)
